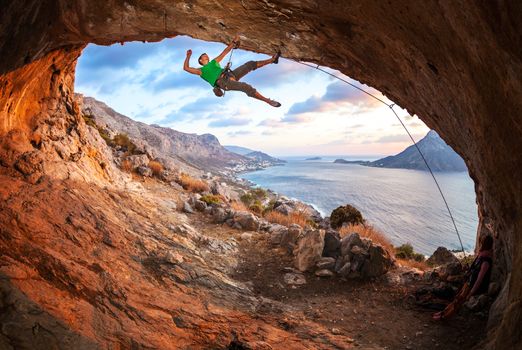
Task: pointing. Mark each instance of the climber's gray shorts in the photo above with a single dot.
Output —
(238, 73)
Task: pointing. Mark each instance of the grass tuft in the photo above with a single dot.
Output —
(156, 167)
(191, 184)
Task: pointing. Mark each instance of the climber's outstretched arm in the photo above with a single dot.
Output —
(186, 66)
(225, 52)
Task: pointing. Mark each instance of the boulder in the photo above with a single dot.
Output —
(289, 238)
(294, 278)
(308, 249)
(222, 189)
(332, 244)
(349, 241)
(356, 250)
(450, 270)
(246, 220)
(379, 262)
(200, 205)
(345, 270)
(441, 256)
(187, 208)
(324, 273)
(273, 228)
(138, 160)
(218, 215)
(144, 171)
(326, 263)
(284, 209)
(277, 232)
(339, 262)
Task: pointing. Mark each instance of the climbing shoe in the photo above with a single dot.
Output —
(276, 58)
(274, 103)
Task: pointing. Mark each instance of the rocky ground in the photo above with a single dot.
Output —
(103, 268)
(378, 313)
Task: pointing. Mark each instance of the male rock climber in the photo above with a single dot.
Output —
(216, 76)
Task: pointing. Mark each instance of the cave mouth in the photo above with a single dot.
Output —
(130, 74)
(427, 57)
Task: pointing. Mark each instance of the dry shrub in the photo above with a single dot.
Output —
(191, 184)
(297, 217)
(238, 206)
(370, 232)
(126, 165)
(156, 167)
(421, 265)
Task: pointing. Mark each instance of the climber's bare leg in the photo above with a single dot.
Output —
(265, 62)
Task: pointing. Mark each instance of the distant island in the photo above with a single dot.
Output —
(344, 161)
(439, 155)
(314, 158)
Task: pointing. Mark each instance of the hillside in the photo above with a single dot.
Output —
(439, 155)
(238, 149)
(174, 148)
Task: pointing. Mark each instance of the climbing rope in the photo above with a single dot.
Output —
(405, 128)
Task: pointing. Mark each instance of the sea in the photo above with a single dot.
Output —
(404, 204)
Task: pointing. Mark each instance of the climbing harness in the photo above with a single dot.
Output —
(227, 72)
(407, 131)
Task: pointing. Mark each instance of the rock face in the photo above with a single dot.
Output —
(459, 74)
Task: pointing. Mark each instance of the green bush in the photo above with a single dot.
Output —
(406, 252)
(211, 199)
(345, 214)
(269, 206)
(259, 193)
(256, 207)
(247, 199)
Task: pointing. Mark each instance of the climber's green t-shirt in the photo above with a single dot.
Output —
(211, 71)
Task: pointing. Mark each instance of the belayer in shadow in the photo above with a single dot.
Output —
(478, 277)
(226, 79)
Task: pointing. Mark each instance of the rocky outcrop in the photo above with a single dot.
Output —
(438, 154)
(441, 256)
(176, 149)
(458, 73)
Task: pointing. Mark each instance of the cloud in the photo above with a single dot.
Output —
(199, 106)
(178, 80)
(271, 123)
(337, 93)
(234, 121)
(117, 56)
(296, 119)
(395, 138)
(239, 133)
(312, 104)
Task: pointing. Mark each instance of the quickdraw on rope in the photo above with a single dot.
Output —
(407, 131)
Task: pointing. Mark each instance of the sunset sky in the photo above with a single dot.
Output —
(319, 115)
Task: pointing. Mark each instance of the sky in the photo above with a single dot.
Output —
(320, 115)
